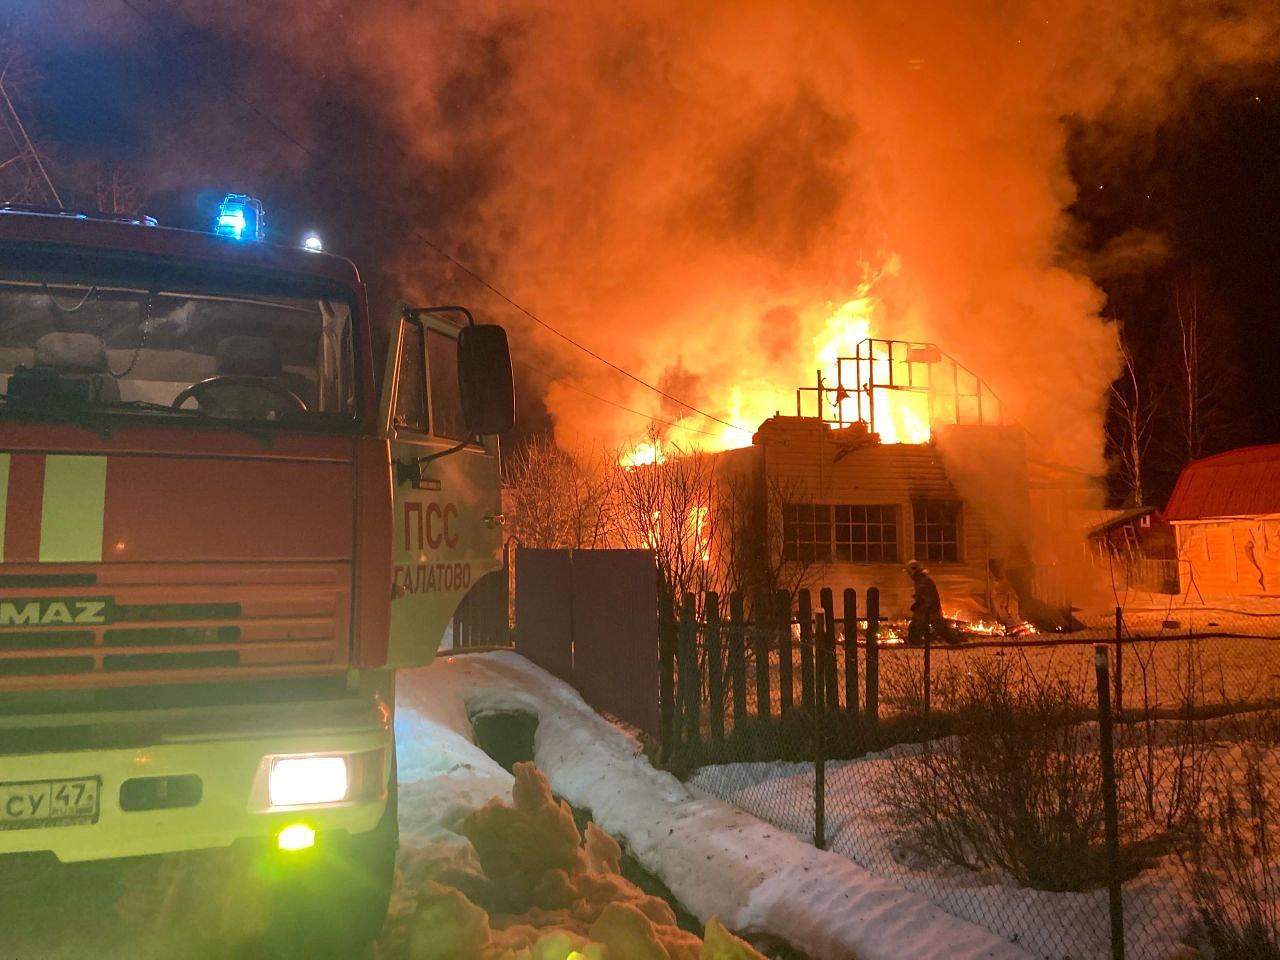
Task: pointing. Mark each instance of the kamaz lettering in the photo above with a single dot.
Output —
(44, 613)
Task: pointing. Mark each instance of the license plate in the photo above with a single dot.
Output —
(49, 803)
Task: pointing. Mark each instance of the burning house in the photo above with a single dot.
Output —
(905, 455)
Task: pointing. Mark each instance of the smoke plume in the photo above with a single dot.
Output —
(694, 189)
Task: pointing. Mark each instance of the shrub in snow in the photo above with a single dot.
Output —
(1232, 862)
(1018, 788)
(539, 890)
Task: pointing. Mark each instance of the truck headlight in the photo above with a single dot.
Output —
(299, 781)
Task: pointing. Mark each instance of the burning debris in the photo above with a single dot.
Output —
(963, 629)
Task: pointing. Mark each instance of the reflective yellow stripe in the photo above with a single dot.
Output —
(4, 498)
(75, 493)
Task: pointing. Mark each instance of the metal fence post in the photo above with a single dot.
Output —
(873, 654)
(819, 748)
(1109, 805)
(928, 692)
(1119, 679)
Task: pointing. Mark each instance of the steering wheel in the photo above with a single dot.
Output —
(205, 392)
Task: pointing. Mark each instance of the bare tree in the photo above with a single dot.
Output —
(116, 191)
(557, 499)
(753, 557)
(668, 506)
(1135, 403)
(24, 174)
(1191, 418)
(1208, 415)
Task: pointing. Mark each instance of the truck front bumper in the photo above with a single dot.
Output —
(231, 761)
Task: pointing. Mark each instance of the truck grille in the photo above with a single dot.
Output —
(130, 625)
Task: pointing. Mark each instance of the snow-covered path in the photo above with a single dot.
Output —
(717, 860)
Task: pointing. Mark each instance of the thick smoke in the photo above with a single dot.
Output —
(693, 188)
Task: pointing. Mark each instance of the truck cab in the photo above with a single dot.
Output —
(218, 540)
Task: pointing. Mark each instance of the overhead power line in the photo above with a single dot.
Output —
(638, 413)
(438, 249)
(564, 336)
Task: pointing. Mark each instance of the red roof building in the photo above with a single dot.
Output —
(1238, 483)
(1225, 511)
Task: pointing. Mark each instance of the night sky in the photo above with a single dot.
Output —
(164, 111)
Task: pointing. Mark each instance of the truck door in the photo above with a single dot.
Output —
(447, 491)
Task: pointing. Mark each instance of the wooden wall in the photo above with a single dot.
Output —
(1230, 557)
(818, 465)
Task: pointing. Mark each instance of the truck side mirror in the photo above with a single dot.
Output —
(485, 379)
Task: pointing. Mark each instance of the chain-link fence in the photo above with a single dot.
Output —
(973, 773)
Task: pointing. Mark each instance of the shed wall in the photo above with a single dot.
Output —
(1237, 556)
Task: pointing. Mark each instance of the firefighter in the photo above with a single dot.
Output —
(926, 608)
(1004, 599)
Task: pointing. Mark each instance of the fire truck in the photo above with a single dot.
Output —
(219, 539)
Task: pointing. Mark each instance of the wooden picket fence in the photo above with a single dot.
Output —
(728, 678)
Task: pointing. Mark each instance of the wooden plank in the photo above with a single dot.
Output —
(737, 659)
(762, 634)
(781, 618)
(873, 655)
(667, 645)
(805, 616)
(851, 651)
(829, 684)
(690, 681)
(715, 669)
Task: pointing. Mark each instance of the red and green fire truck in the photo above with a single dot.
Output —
(218, 541)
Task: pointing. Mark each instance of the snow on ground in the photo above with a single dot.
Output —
(717, 860)
(861, 827)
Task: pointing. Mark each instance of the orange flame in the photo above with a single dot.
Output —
(901, 416)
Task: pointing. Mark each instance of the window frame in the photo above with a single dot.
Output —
(804, 517)
(38, 265)
(433, 420)
(934, 550)
(888, 519)
(406, 432)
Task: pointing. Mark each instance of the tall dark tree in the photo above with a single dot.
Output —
(1207, 413)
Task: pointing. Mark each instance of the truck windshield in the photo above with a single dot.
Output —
(111, 348)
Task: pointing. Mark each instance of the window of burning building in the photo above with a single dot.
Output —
(867, 534)
(806, 532)
(937, 530)
(846, 533)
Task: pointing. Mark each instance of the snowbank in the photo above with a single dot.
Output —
(716, 859)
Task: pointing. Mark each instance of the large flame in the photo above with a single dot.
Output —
(900, 415)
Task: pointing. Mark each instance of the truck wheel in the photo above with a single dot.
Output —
(337, 904)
